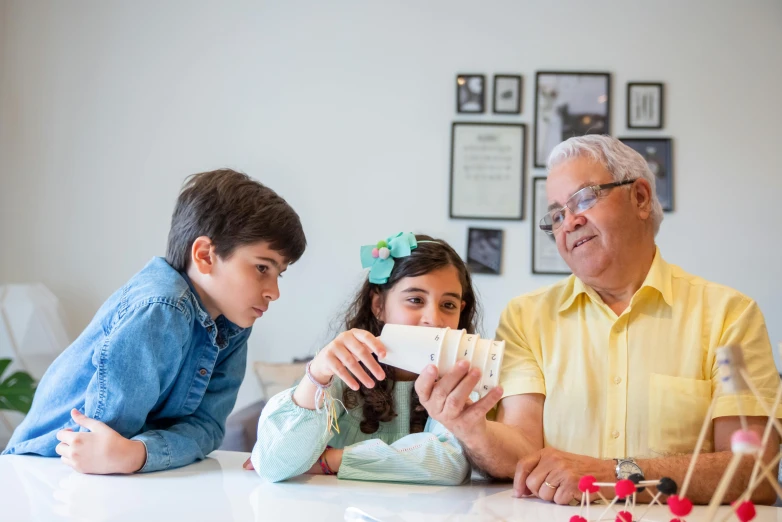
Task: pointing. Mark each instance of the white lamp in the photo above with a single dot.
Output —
(32, 335)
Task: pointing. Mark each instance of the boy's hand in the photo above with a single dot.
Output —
(101, 451)
(341, 357)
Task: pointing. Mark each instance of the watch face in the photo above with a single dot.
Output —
(627, 468)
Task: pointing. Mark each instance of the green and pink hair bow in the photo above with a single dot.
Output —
(379, 258)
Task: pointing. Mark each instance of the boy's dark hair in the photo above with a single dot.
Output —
(378, 402)
(233, 210)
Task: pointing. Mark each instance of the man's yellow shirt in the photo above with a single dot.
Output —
(638, 384)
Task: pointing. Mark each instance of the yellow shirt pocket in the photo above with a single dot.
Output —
(677, 407)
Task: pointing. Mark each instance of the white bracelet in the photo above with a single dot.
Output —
(322, 393)
(314, 381)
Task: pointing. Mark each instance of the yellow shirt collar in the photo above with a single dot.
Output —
(658, 278)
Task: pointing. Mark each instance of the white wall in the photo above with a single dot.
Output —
(345, 109)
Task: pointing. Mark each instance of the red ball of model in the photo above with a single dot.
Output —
(745, 511)
(679, 506)
(624, 488)
(587, 484)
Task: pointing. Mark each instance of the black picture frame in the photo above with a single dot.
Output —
(658, 152)
(509, 100)
(484, 250)
(545, 257)
(555, 118)
(470, 93)
(493, 199)
(645, 105)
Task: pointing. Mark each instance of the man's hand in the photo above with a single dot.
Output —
(553, 475)
(100, 451)
(448, 400)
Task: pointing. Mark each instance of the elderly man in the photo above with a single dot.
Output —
(611, 371)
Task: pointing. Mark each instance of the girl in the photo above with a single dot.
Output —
(384, 433)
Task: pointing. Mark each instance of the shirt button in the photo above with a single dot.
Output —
(615, 434)
(202, 371)
(210, 328)
(617, 380)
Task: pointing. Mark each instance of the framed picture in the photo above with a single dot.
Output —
(484, 250)
(487, 170)
(471, 93)
(569, 104)
(658, 153)
(545, 256)
(507, 94)
(644, 105)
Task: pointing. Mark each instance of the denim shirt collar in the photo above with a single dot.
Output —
(220, 330)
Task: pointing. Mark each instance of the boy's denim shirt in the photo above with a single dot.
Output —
(152, 365)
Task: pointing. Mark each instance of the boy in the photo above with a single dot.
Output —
(150, 382)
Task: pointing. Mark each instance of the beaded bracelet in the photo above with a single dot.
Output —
(324, 465)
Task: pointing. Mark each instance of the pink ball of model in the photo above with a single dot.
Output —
(745, 442)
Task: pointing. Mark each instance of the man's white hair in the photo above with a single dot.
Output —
(620, 160)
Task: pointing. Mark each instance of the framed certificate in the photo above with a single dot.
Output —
(545, 256)
(487, 170)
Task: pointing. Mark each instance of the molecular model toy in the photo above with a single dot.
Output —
(734, 380)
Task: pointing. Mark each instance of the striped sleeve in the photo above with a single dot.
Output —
(290, 438)
(431, 457)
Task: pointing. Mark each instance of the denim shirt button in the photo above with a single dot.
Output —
(202, 371)
(210, 328)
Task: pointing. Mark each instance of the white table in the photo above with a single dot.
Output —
(218, 489)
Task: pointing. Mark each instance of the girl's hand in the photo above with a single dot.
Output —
(341, 357)
(333, 458)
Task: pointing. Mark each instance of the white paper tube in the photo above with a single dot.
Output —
(412, 348)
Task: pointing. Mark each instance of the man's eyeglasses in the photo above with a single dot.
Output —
(579, 202)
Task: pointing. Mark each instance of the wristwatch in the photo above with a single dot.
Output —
(627, 467)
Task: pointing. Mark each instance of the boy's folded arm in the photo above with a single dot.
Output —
(431, 457)
(189, 439)
(139, 357)
(182, 441)
(290, 438)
